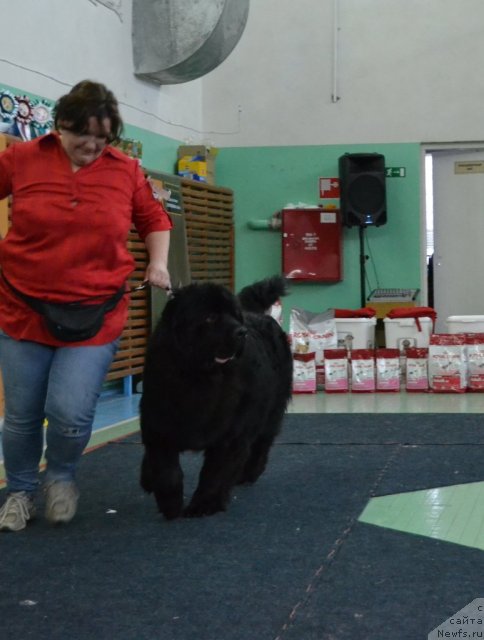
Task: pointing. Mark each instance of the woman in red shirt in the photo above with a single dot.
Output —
(74, 200)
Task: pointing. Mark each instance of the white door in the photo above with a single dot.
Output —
(458, 220)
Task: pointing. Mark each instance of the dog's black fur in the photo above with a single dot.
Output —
(217, 379)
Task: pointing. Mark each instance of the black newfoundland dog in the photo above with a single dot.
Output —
(217, 378)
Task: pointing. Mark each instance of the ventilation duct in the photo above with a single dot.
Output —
(177, 41)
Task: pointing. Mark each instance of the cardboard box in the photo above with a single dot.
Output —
(382, 308)
(194, 170)
(197, 162)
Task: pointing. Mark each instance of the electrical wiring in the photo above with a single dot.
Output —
(170, 123)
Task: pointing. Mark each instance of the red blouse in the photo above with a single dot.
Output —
(67, 240)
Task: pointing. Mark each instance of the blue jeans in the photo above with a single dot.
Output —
(61, 384)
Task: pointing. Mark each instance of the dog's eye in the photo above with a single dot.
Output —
(211, 318)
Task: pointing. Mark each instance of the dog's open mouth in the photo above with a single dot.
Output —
(224, 360)
(236, 347)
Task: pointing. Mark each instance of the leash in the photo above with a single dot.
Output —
(146, 285)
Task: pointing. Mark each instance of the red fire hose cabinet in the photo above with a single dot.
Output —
(312, 244)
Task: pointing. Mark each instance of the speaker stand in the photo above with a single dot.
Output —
(363, 259)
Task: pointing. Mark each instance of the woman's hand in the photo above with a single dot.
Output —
(157, 275)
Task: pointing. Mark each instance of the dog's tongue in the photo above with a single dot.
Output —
(223, 360)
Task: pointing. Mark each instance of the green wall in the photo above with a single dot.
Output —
(159, 152)
(265, 179)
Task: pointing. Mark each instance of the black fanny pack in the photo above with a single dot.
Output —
(71, 321)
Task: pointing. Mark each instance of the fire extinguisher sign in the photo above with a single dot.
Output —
(329, 188)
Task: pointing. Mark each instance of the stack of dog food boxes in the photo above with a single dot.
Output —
(335, 351)
(197, 162)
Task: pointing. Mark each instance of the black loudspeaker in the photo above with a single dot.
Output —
(362, 188)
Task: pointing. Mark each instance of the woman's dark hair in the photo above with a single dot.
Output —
(85, 100)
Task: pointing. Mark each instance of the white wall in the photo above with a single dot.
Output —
(46, 46)
(408, 71)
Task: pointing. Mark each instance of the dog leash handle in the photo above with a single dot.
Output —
(146, 284)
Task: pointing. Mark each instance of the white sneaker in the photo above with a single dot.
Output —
(61, 501)
(17, 510)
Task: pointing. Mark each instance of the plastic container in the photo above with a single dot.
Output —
(355, 333)
(401, 333)
(465, 324)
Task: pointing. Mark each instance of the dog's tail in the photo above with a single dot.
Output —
(260, 296)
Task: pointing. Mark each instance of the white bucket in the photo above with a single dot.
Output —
(355, 333)
(465, 324)
(401, 333)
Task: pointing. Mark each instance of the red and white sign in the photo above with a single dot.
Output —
(329, 188)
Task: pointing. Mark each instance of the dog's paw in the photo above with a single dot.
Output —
(207, 507)
(172, 514)
(146, 485)
(248, 478)
(146, 480)
(170, 506)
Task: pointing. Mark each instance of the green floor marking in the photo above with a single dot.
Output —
(453, 514)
